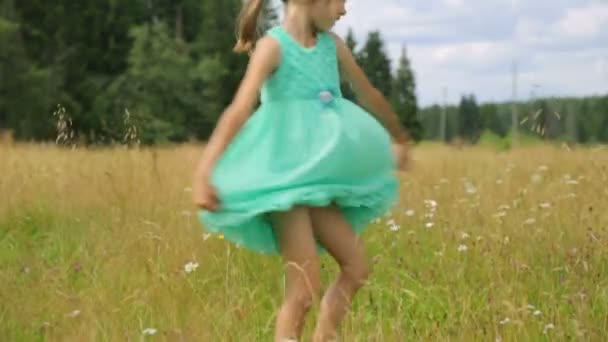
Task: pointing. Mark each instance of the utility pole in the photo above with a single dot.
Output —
(514, 118)
(443, 119)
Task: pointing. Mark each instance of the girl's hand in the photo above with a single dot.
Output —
(401, 153)
(204, 193)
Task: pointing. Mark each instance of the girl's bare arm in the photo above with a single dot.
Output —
(368, 96)
(264, 60)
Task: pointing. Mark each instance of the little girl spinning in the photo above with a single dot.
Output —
(308, 170)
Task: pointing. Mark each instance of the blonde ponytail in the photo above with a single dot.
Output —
(247, 25)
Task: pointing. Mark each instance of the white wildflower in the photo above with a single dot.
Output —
(545, 205)
(393, 225)
(470, 188)
(149, 332)
(430, 203)
(429, 225)
(505, 321)
(463, 248)
(191, 267)
(530, 221)
(543, 168)
(206, 236)
(536, 178)
(537, 313)
(409, 212)
(500, 214)
(74, 313)
(548, 327)
(464, 235)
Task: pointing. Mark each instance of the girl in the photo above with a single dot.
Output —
(308, 170)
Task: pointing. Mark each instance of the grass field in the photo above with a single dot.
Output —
(102, 245)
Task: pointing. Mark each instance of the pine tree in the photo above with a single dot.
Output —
(602, 112)
(350, 40)
(216, 40)
(469, 122)
(347, 90)
(404, 97)
(376, 63)
(27, 91)
(492, 121)
(158, 89)
(269, 17)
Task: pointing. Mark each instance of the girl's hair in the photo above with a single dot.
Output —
(247, 25)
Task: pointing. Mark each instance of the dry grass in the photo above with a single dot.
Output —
(93, 246)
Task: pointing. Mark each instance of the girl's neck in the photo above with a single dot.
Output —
(297, 22)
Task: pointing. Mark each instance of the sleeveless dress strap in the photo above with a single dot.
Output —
(278, 34)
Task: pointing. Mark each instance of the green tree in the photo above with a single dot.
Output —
(27, 91)
(603, 114)
(469, 119)
(492, 120)
(588, 121)
(404, 99)
(429, 119)
(346, 88)
(216, 40)
(269, 17)
(159, 89)
(85, 45)
(376, 63)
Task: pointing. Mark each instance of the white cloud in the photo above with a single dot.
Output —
(470, 45)
(455, 3)
(584, 22)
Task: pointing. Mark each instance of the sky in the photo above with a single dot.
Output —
(560, 47)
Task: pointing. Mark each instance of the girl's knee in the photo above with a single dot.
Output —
(357, 273)
(303, 299)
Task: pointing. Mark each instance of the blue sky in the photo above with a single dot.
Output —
(560, 46)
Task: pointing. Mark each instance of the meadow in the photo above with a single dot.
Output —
(104, 245)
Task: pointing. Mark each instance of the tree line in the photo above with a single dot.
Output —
(576, 120)
(159, 71)
(163, 69)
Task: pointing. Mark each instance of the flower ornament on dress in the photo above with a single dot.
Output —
(326, 97)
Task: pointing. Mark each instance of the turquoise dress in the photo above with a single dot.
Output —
(305, 145)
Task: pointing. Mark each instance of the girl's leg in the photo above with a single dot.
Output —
(297, 244)
(335, 234)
